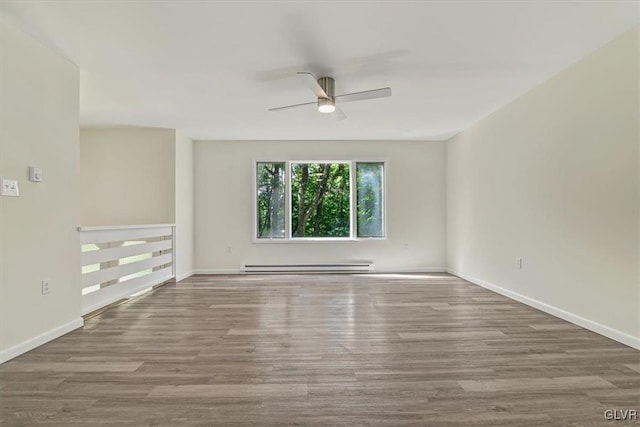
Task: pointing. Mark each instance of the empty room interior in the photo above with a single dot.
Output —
(337, 213)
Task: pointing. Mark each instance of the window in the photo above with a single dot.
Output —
(370, 200)
(270, 200)
(319, 200)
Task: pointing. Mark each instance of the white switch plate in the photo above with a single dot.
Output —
(35, 174)
(45, 286)
(9, 187)
(518, 263)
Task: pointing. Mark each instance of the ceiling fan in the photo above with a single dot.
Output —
(324, 87)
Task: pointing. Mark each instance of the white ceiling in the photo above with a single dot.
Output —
(212, 68)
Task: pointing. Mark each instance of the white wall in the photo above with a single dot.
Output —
(184, 206)
(415, 179)
(127, 176)
(38, 126)
(553, 178)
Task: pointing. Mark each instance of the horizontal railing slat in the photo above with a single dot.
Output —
(113, 293)
(111, 254)
(85, 228)
(119, 235)
(101, 276)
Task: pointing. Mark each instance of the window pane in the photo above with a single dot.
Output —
(270, 200)
(320, 200)
(369, 177)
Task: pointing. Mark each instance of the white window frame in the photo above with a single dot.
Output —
(254, 203)
(384, 199)
(353, 200)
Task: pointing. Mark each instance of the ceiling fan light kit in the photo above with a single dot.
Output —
(326, 105)
(324, 89)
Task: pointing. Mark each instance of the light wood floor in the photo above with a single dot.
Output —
(335, 350)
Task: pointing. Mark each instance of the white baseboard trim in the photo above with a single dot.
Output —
(614, 334)
(183, 276)
(218, 271)
(375, 270)
(37, 341)
(410, 270)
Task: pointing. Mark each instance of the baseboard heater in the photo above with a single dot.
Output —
(308, 268)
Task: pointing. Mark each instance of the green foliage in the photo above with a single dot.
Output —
(370, 204)
(320, 200)
(271, 192)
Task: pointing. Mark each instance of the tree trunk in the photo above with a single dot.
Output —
(318, 220)
(321, 190)
(302, 214)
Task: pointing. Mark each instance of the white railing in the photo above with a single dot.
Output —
(120, 261)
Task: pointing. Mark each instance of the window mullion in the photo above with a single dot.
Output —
(352, 199)
(287, 201)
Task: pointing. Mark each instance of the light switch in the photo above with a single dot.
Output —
(35, 174)
(45, 286)
(9, 187)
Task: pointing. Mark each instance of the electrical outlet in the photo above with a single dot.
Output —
(518, 263)
(229, 249)
(45, 286)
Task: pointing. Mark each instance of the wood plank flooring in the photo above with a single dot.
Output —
(331, 350)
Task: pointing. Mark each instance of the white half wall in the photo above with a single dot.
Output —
(127, 176)
(184, 207)
(415, 180)
(553, 178)
(39, 117)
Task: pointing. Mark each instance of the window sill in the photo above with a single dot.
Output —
(319, 240)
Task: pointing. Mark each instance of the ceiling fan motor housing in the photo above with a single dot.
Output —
(328, 85)
(327, 105)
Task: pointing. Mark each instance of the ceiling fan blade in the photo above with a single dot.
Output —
(338, 114)
(367, 94)
(286, 107)
(312, 82)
